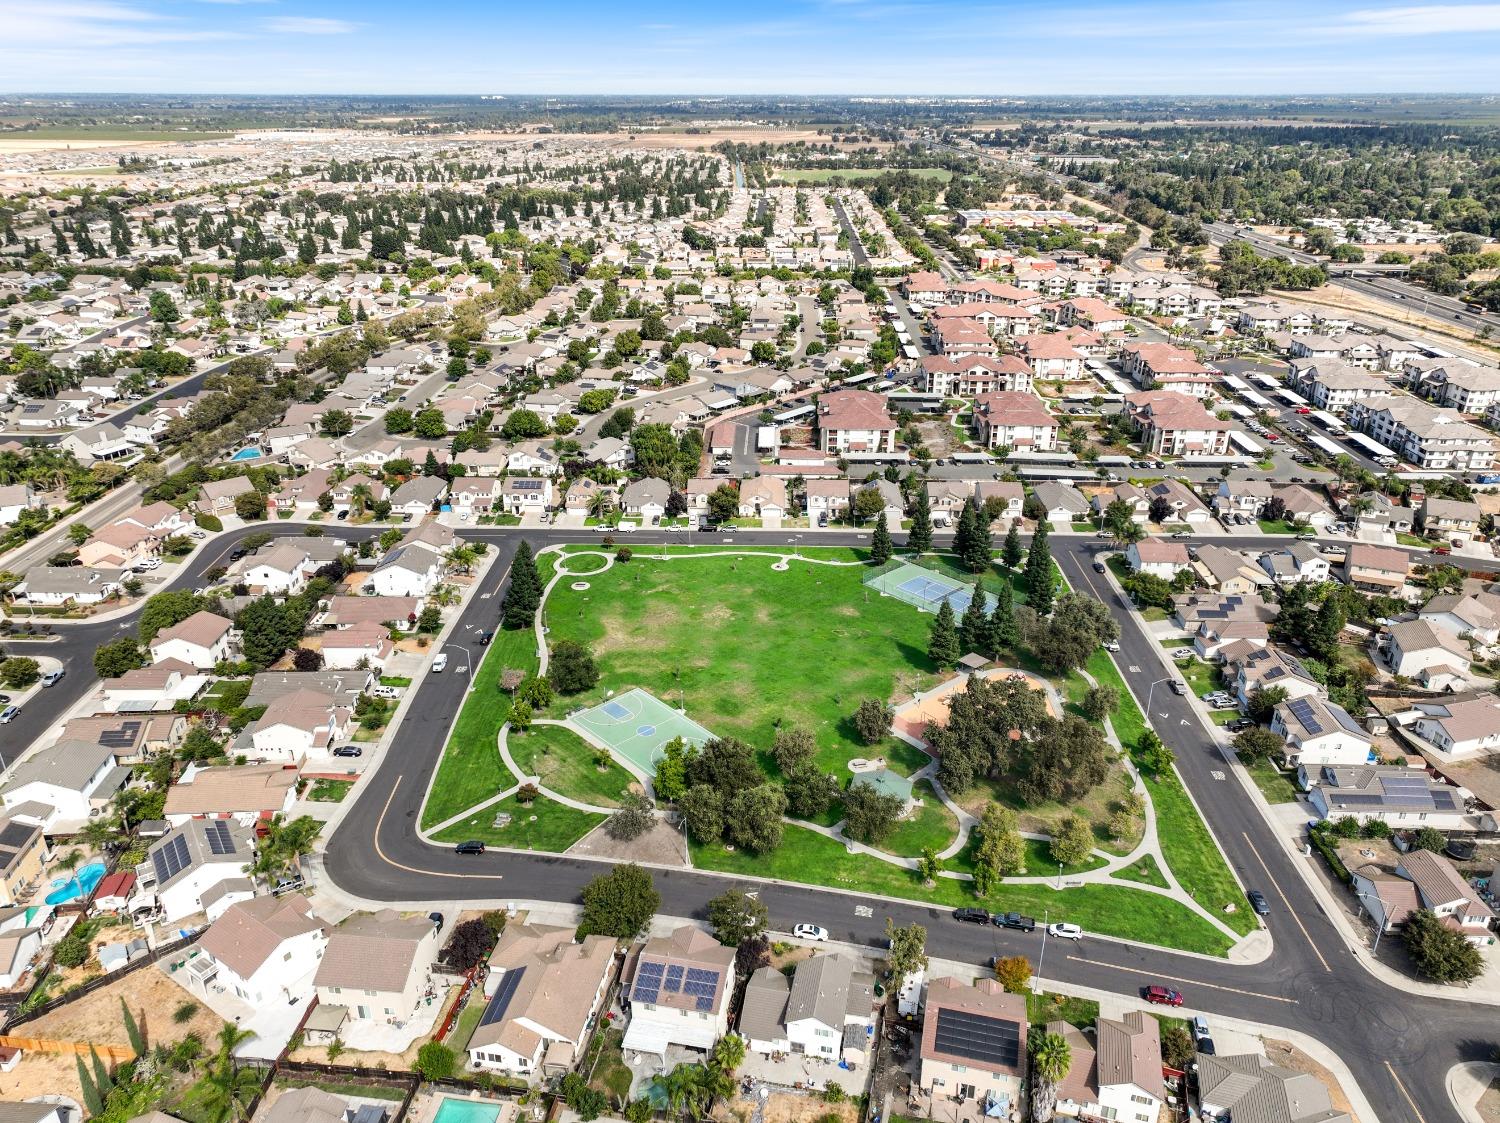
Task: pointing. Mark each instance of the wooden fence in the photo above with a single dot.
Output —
(114, 1054)
(161, 951)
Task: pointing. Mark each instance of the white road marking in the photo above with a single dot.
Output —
(1217, 774)
(863, 910)
(1134, 669)
(1313, 943)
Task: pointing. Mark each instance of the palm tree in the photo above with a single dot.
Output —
(228, 1089)
(729, 1052)
(1051, 1057)
(679, 1087)
(360, 497)
(600, 504)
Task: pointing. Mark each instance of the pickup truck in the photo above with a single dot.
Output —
(1015, 920)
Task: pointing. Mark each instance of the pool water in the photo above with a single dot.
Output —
(246, 454)
(81, 884)
(466, 1111)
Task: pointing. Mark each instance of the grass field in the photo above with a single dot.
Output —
(470, 770)
(1047, 1007)
(564, 762)
(741, 641)
(815, 859)
(851, 175)
(1273, 783)
(933, 826)
(1145, 871)
(544, 825)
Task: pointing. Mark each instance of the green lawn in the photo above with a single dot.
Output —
(1185, 840)
(1201, 677)
(1274, 784)
(1172, 643)
(815, 859)
(468, 1020)
(1146, 871)
(933, 826)
(565, 763)
(470, 770)
(544, 825)
(741, 642)
(329, 791)
(1270, 526)
(1047, 1007)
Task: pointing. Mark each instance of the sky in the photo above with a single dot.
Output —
(769, 46)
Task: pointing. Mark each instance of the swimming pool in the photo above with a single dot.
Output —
(251, 453)
(81, 884)
(466, 1111)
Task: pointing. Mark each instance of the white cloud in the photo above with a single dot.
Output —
(1431, 19)
(309, 25)
(93, 24)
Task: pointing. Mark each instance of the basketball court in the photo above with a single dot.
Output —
(638, 727)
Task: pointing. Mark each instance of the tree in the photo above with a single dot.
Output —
(435, 1061)
(809, 790)
(1439, 953)
(250, 505)
(523, 424)
(1051, 1057)
(1002, 633)
(1262, 703)
(633, 819)
(1259, 743)
(620, 903)
(164, 309)
(1010, 552)
(725, 764)
(976, 553)
(702, 812)
(1075, 630)
(906, 949)
(524, 594)
(728, 1053)
(1001, 850)
(430, 425)
(880, 544)
(942, 641)
(724, 503)
(468, 944)
(1041, 583)
(336, 423)
(1100, 702)
(79, 533)
(1323, 638)
(1073, 841)
(671, 770)
(121, 655)
(1177, 1047)
(1014, 973)
(226, 1089)
(872, 721)
(588, 1103)
(1153, 754)
(919, 538)
(752, 818)
(751, 956)
(793, 747)
(866, 504)
(399, 420)
(306, 659)
(870, 814)
(974, 625)
(1428, 838)
(736, 917)
(1119, 520)
(571, 669)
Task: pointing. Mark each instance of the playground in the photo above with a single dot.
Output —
(638, 727)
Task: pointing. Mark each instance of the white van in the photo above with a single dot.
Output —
(439, 662)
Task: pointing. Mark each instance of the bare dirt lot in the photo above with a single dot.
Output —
(786, 1107)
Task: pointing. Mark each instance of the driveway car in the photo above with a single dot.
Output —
(348, 750)
(1065, 931)
(9, 714)
(52, 678)
(811, 932)
(1178, 686)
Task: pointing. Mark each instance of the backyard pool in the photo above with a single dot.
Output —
(466, 1111)
(251, 453)
(81, 884)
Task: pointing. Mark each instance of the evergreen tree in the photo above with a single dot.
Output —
(977, 551)
(1002, 628)
(920, 537)
(963, 534)
(1011, 552)
(101, 1075)
(974, 628)
(525, 593)
(1041, 585)
(942, 645)
(91, 1098)
(880, 545)
(133, 1032)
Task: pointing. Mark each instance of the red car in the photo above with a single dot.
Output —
(1304, 409)
(1163, 996)
(1440, 550)
(1272, 437)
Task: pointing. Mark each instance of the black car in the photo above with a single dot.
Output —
(237, 554)
(348, 750)
(1239, 725)
(1099, 567)
(1205, 1045)
(1258, 902)
(972, 916)
(473, 846)
(1015, 920)
(484, 640)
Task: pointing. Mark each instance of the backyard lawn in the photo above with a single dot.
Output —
(564, 762)
(544, 825)
(746, 646)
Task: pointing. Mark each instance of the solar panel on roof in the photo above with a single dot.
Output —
(220, 841)
(121, 738)
(647, 991)
(705, 1002)
(170, 860)
(674, 979)
(994, 1041)
(1302, 710)
(649, 971)
(499, 1002)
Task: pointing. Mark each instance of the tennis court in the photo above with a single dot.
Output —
(925, 588)
(637, 726)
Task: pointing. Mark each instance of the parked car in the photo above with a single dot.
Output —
(1178, 686)
(1442, 551)
(811, 932)
(146, 565)
(1063, 931)
(439, 662)
(52, 678)
(1015, 920)
(486, 637)
(1239, 725)
(1099, 567)
(380, 690)
(1258, 903)
(1112, 645)
(9, 714)
(972, 916)
(473, 846)
(342, 515)
(348, 750)
(1162, 996)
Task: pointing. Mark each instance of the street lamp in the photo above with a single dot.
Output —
(469, 664)
(1149, 692)
(1059, 875)
(1036, 980)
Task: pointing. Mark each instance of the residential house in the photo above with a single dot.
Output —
(1180, 502)
(973, 1046)
(1296, 562)
(762, 1021)
(63, 585)
(157, 687)
(407, 571)
(1229, 571)
(1157, 557)
(1319, 732)
(1433, 657)
(378, 966)
(946, 499)
(1460, 726)
(543, 994)
(200, 866)
(1014, 420)
(1116, 1076)
(1475, 615)
(1063, 502)
(525, 496)
(1133, 497)
(203, 640)
(1266, 668)
(303, 723)
(765, 498)
(1009, 497)
(1373, 569)
(855, 421)
(357, 489)
(216, 497)
(679, 991)
(1398, 796)
(120, 545)
(1452, 520)
(418, 496)
(826, 497)
(278, 570)
(18, 950)
(830, 1010)
(16, 498)
(246, 793)
(23, 851)
(1250, 1089)
(395, 612)
(1448, 895)
(365, 644)
(646, 498)
(71, 781)
(264, 951)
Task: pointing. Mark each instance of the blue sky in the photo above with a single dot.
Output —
(793, 46)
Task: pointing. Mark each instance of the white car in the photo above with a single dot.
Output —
(146, 565)
(1065, 931)
(810, 932)
(1112, 646)
(439, 662)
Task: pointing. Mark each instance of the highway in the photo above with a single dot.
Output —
(1398, 1045)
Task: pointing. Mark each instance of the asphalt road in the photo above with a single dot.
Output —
(1398, 1045)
